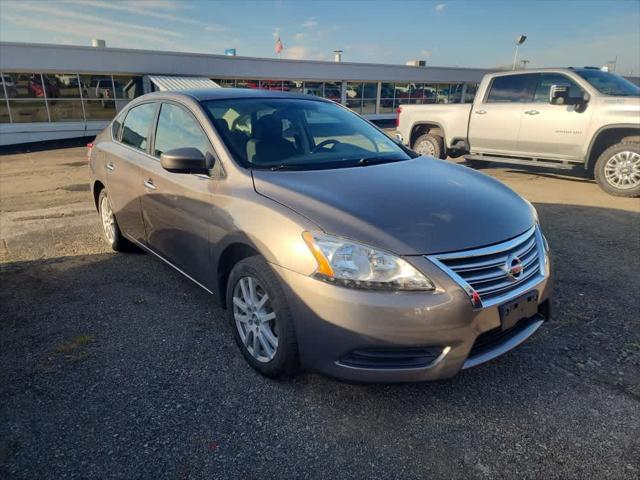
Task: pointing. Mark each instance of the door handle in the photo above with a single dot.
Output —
(110, 166)
(148, 184)
(481, 112)
(532, 112)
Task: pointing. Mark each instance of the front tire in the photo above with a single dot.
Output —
(260, 318)
(110, 228)
(430, 145)
(617, 170)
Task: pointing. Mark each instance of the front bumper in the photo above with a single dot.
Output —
(332, 322)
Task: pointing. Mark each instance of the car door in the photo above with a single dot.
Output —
(554, 131)
(177, 208)
(122, 165)
(494, 124)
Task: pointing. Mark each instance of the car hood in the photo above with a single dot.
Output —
(418, 206)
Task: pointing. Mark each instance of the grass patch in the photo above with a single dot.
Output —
(79, 341)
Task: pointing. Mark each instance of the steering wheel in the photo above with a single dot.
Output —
(330, 141)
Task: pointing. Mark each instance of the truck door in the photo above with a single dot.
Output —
(494, 124)
(554, 131)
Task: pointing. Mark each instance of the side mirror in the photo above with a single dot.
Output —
(558, 94)
(184, 160)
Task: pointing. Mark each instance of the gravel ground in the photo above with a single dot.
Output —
(114, 366)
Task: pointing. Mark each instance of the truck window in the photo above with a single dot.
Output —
(512, 89)
(545, 80)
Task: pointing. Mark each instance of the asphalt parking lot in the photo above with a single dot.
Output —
(114, 366)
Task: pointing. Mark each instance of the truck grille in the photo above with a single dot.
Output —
(494, 274)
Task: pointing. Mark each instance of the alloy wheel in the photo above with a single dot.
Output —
(623, 170)
(426, 148)
(108, 220)
(255, 319)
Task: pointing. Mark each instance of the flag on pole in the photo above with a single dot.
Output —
(279, 46)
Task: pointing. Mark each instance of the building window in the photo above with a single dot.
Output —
(240, 83)
(28, 111)
(225, 82)
(65, 104)
(293, 86)
(332, 91)
(314, 88)
(66, 110)
(4, 112)
(27, 94)
(354, 96)
(470, 92)
(386, 97)
(275, 85)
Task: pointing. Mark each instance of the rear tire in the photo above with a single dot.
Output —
(263, 327)
(430, 145)
(617, 170)
(110, 228)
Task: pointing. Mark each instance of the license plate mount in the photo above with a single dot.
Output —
(511, 312)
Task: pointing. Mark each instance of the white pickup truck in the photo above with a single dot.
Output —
(556, 118)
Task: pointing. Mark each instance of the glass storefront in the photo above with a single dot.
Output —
(70, 97)
(64, 97)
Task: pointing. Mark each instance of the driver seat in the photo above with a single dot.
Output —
(266, 144)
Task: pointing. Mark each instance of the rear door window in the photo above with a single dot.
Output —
(137, 125)
(512, 89)
(115, 127)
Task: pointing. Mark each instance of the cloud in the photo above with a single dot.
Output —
(426, 53)
(440, 7)
(133, 28)
(297, 52)
(298, 36)
(301, 52)
(84, 30)
(310, 23)
(148, 8)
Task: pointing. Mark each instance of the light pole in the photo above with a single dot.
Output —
(519, 41)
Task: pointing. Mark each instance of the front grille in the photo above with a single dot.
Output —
(485, 271)
(390, 358)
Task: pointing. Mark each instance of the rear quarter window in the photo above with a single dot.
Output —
(512, 89)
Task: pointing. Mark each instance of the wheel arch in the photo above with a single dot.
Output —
(98, 186)
(421, 128)
(605, 137)
(235, 251)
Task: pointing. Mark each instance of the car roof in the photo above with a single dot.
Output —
(204, 94)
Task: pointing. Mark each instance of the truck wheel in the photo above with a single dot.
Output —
(430, 145)
(617, 170)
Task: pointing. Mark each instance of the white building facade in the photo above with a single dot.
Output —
(58, 91)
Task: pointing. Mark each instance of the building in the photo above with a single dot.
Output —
(60, 91)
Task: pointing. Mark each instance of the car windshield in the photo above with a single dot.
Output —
(610, 84)
(299, 134)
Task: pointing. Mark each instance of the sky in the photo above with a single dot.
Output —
(442, 32)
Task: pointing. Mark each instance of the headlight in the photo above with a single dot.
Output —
(352, 264)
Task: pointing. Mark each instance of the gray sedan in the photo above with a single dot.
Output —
(332, 247)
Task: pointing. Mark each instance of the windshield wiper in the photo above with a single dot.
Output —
(366, 161)
(285, 166)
